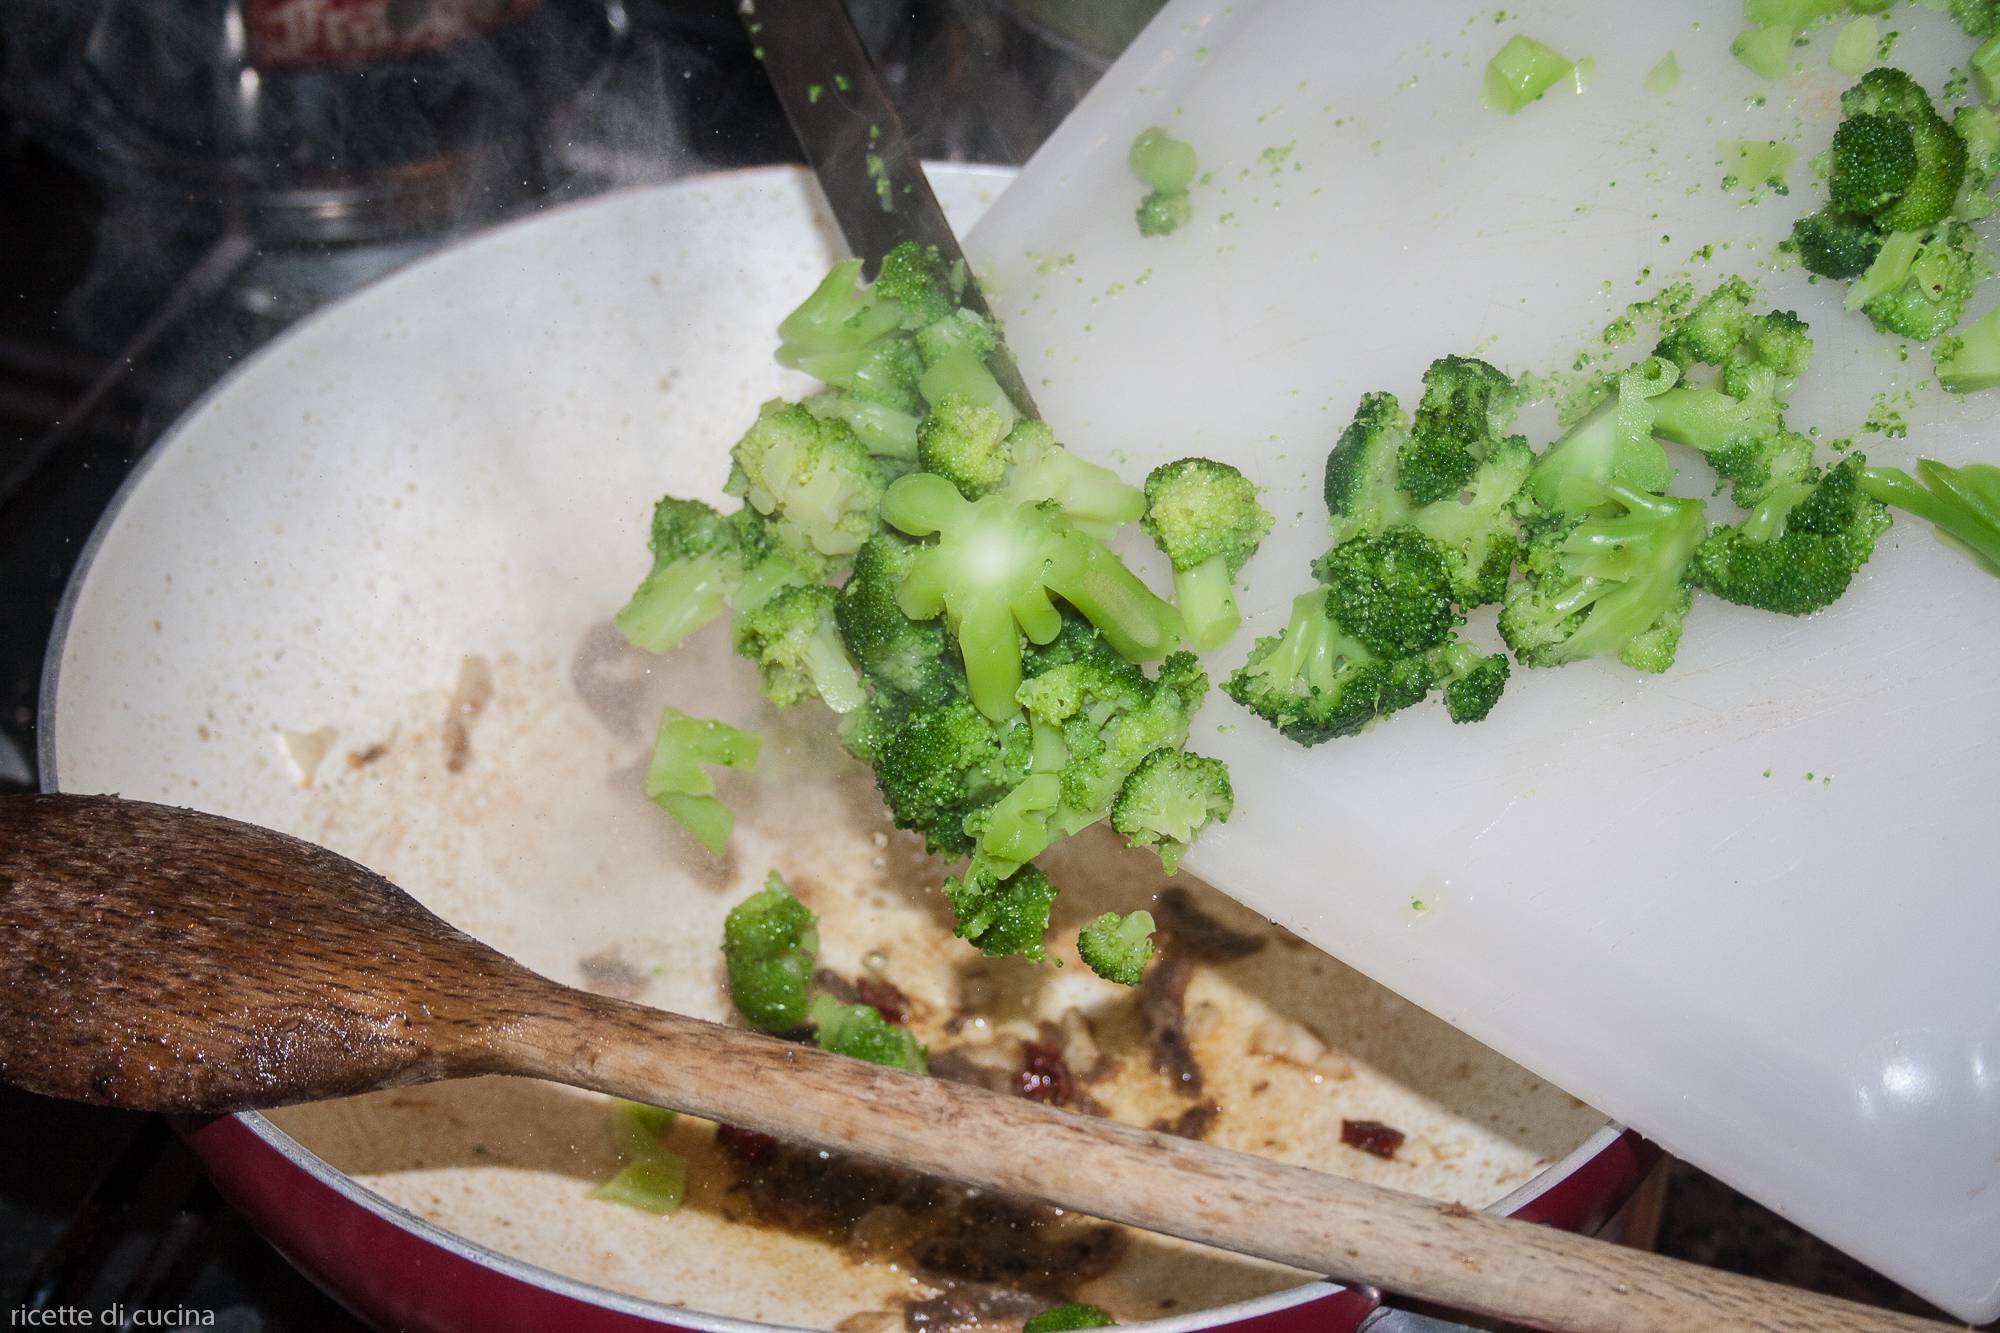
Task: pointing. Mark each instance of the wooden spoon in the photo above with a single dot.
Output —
(166, 960)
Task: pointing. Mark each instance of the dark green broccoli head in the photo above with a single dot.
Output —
(770, 942)
(966, 442)
(1886, 91)
(860, 1032)
(1117, 948)
(1003, 917)
(1755, 466)
(917, 278)
(1314, 681)
(1874, 158)
(1473, 681)
(1360, 486)
(910, 659)
(1466, 405)
(1835, 245)
(944, 765)
(1613, 580)
(1798, 551)
(1391, 591)
(1168, 799)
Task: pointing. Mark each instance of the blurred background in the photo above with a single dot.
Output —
(181, 182)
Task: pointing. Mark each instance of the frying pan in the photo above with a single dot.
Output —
(361, 594)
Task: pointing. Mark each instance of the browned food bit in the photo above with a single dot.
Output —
(1188, 931)
(1162, 1008)
(1371, 1136)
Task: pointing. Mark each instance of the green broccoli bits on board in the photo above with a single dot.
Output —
(770, 942)
(1064, 1318)
(1116, 947)
(1166, 166)
(676, 783)
(860, 1031)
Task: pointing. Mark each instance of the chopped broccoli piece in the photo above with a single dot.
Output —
(1662, 77)
(1919, 283)
(965, 441)
(908, 659)
(1969, 361)
(943, 766)
(1473, 681)
(1855, 46)
(1985, 66)
(699, 560)
(1605, 578)
(1614, 444)
(653, 1184)
(1963, 503)
(1003, 917)
(1978, 128)
(919, 281)
(1979, 18)
(886, 432)
(1166, 167)
(812, 475)
(676, 783)
(1467, 404)
(1835, 245)
(793, 639)
(1117, 948)
(840, 317)
(1065, 1318)
(1874, 160)
(1391, 590)
(1204, 515)
(995, 565)
(1520, 72)
(1937, 156)
(860, 1031)
(1766, 51)
(1168, 799)
(1315, 681)
(1800, 546)
(770, 942)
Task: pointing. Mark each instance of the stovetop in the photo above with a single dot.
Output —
(121, 305)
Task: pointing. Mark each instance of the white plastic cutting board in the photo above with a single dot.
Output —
(1749, 906)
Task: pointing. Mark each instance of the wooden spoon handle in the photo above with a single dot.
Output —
(1349, 1230)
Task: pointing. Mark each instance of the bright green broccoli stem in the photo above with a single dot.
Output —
(886, 432)
(1207, 602)
(860, 1031)
(1118, 948)
(1627, 569)
(676, 783)
(1963, 503)
(652, 1179)
(1986, 69)
(1970, 360)
(839, 316)
(1017, 825)
(1521, 72)
(675, 601)
(1891, 266)
(1765, 52)
(1067, 1318)
(963, 372)
(770, 942)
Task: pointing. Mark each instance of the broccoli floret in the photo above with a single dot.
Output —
(860, 1031)
(1969, 361)
(1979, 18)
(909, 659)
(1919, 283)
(1168, 799)
(1613, 445)
(769, 944)
(1473, 681)
(1002, 917)
(965, 442)
(1390, 590)
(1978, 128)
(1799, 547)
(1204, 515)
(676, 783)
(1709, 330)
(841, 317)
(1874, 160)
(793, 639)
(1117, 948)
(1314, 681)
(1467, 404)
(995, 565)
(942, 767)
(1166, 166)
(812, 476)
(1985, 68)
(887, 432)
(1065, 1318)
(699, 560)
(919, 281)
(1605, 578)
(1835, 245)
(1365, 491)
(1962, 502)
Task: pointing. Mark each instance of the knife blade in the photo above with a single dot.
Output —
(858, 147)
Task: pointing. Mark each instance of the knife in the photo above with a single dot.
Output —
(858, 147)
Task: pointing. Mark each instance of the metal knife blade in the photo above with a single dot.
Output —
(857, 144)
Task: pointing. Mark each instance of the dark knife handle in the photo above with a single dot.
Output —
(857, 144)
